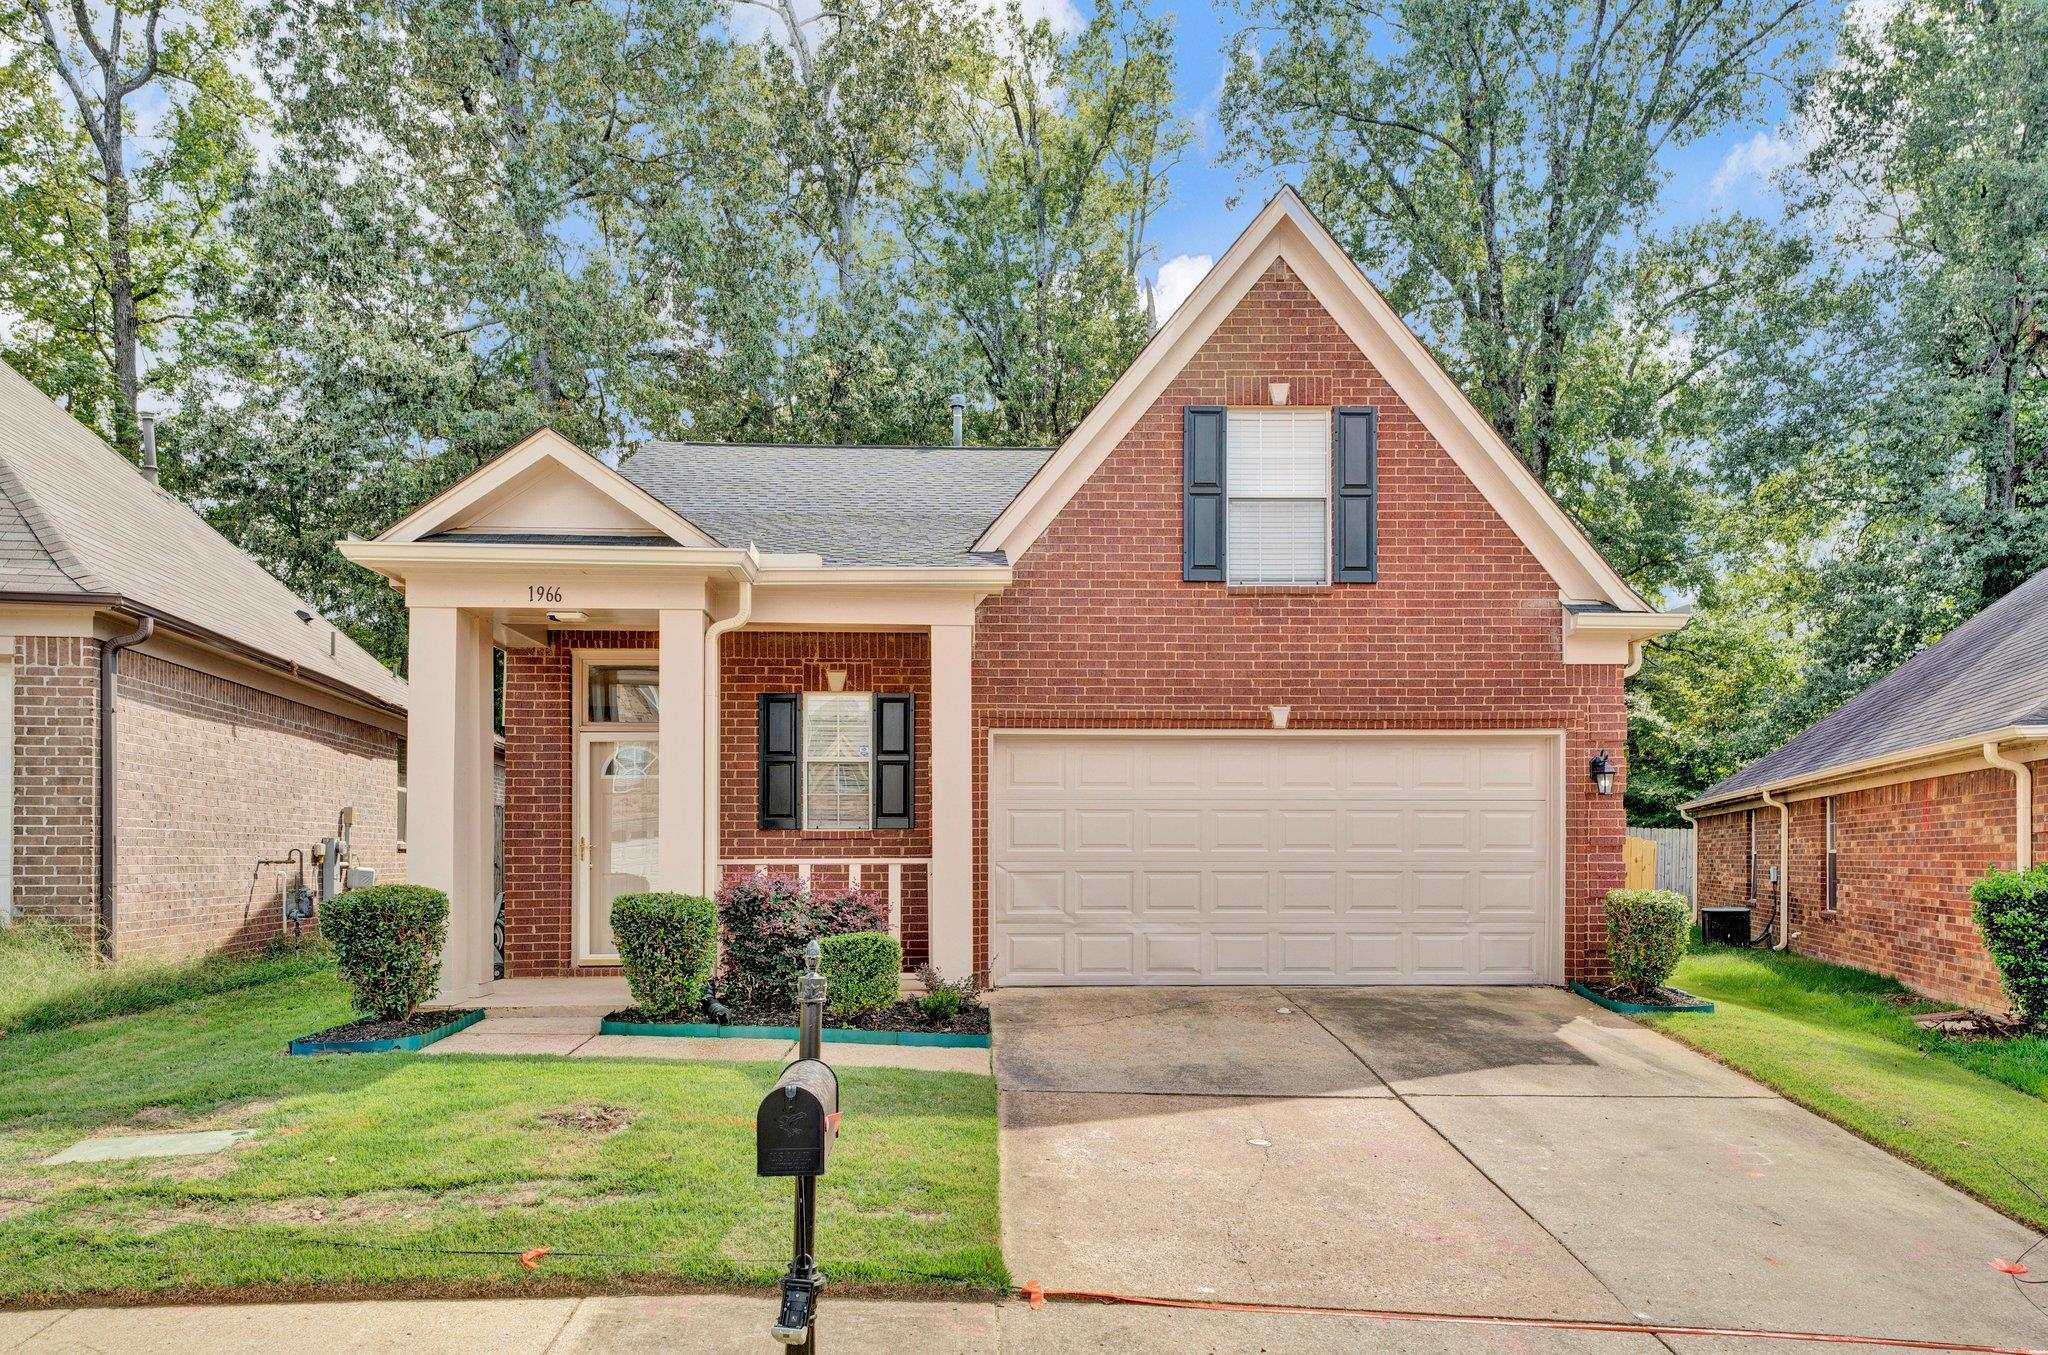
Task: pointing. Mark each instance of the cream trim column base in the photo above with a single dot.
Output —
(681, 740)
(950, 893)
(448, 783)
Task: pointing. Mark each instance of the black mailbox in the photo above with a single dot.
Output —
(797, 1121)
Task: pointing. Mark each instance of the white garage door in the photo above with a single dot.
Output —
(1303, 858)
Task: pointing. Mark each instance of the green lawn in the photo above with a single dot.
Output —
(1841, 1042)
(372, 1172)
(48, 978)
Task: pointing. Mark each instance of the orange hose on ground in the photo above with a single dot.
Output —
(1038, 1295)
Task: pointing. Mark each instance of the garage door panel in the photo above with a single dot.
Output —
(1243, 956)
(1244, 859)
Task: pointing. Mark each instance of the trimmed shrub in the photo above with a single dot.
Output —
(2012, 912)
(863, 972)
(943, 998)
(765, 922)
(387, 944)
(668, 945)
(1645, 937)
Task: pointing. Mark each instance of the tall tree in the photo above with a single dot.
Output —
(456, 247)
(1032, 229)
(156, 124)
(1500, 160)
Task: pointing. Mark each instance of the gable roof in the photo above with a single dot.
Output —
(544, 456)
(879, 506)
(1986, 677)
(1286, 230)
(79, 523)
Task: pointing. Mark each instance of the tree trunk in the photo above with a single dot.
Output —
(124, 332)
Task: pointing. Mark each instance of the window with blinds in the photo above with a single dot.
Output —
(838, 748)
(1279, 489)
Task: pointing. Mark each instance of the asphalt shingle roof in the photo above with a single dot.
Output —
(874, 506)
(1987, 674)
(78, 520)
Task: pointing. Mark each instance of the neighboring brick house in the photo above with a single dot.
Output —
(1281, 667)
(242, 723)
(1880, 816)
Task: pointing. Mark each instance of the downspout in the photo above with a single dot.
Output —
(110, 651)
(1636, 650)
(1694, 824)
(1784, 869)
(714, 704)
(2023, 800)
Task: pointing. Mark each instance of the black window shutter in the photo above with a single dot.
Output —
(895, 761)
(1358, 495)
(781, 756)
(1202, 495)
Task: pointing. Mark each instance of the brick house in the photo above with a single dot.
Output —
(1878, 818)
(241, 724)
(1280, 667)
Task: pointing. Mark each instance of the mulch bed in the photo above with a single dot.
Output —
(898, 1016)
(419, 1023)
(1969, 1025)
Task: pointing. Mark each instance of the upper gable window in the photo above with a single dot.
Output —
(1279, 496)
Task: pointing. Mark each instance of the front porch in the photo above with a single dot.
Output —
(636, 758)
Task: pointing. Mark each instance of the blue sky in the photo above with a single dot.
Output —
(1727, 172)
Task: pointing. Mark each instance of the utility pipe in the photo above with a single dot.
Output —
(2023, 801)
(714, 705)
(110, 651)
(1784, 870)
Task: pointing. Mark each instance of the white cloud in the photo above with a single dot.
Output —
(1761, 160)
(1178, 276)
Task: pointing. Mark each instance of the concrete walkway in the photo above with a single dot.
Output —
(716, 1324)
(577, 1037)
(1508, 1150)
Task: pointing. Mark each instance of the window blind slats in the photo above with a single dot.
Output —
(1279, 518)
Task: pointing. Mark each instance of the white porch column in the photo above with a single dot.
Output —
(951, 891)
(682, 750)
(448, 778)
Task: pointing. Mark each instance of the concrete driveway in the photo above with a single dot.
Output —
(1476, 1150)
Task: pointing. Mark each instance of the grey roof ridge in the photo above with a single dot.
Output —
(850, 446)
(47, 536)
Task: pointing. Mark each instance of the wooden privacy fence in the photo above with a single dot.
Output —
(1667, 859)
(1639, 861)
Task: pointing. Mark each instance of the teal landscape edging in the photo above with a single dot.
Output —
(411, 1044)
(1613, 1004)
(705, 1030)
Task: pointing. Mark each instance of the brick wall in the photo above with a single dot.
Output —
(1906, 856)
(56, 779)
(212, 777)
(1461, 632)
(1723, 869)
(215, 776)
(540, 787)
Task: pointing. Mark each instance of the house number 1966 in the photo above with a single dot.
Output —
(544, 592)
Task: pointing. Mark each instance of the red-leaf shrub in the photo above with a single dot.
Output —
(767, 920)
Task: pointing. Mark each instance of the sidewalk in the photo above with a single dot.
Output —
(577, 1037)
(718, 1323)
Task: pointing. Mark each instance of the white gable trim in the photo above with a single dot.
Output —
(1287, 231)
(505, 475)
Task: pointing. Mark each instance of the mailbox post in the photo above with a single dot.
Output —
(793, 1131)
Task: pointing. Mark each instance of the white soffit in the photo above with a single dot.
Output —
(1286, 230)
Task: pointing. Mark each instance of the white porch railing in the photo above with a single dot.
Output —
(856, 869)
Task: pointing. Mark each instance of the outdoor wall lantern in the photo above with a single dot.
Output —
(1602, 768)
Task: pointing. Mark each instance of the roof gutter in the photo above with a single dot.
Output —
(2023, 803)
(1904, 757)
(110, 653)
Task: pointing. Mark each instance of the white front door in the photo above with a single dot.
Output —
(620, 837)
(1254, 858)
